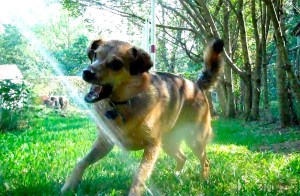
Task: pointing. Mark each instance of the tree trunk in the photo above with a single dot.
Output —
(283, 101)
(295, 84)
(220, 88)
(294, 115)
(254, 115)
(297, 59)
(297, 69)
(242, 99)
(266, 101)
(248, 96)
(230, 110)
(174, 51)
(245, 52)
(283, 65)
(265, 19)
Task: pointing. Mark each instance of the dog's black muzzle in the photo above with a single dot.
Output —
(88, 75)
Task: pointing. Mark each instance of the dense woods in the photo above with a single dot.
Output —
(259, 42)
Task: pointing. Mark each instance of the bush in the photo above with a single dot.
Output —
(14, 96)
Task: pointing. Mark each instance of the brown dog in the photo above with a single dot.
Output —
(152, 110)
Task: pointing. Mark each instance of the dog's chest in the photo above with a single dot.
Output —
(134, 131)
(135, 136)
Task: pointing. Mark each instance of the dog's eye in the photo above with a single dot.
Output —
(115, 64)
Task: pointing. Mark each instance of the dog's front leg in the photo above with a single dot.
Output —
(101, 147)
(144, 170)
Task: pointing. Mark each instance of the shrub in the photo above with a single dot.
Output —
(14, 96)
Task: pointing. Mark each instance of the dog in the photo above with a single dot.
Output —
(152, 110)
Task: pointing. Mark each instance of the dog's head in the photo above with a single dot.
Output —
(112, 63)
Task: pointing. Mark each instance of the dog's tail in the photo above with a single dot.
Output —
(213, 65)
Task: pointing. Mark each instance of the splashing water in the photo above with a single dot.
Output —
(99, 119)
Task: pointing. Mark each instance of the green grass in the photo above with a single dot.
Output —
(37, 161)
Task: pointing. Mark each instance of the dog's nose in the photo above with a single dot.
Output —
(88, 75)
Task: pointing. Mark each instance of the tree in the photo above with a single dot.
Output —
(284, 70)
(74, 58)
(12, 46)
(64, 38)
(265, 19)
(15, 49)
(230, 105)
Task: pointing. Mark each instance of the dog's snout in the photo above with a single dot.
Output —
(88, 75)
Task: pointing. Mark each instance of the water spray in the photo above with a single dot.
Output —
(108, 128)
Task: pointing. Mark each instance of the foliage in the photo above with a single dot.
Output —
(15, 49)
(11, 45)
(73, 8)
(64, 39)
(14, 103)
(73, 58)
(50, 148)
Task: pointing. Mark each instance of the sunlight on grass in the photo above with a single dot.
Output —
(228, 149)
(39, 159)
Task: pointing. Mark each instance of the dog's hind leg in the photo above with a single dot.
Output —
(101, 147)
(198, 143)
(200, 152)
(174, 151)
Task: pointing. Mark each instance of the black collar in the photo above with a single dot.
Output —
(126, 102)
(120, 102)
(114, 113)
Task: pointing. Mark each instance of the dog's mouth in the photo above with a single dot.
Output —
(98, 93)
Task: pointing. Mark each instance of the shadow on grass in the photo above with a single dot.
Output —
(104, 185)
(101, 185)
(52, 188)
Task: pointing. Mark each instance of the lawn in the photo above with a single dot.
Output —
(246, 159)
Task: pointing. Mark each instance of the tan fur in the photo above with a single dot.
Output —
(163, 110)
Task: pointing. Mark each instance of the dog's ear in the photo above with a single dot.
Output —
(141, 61)
(94, 45)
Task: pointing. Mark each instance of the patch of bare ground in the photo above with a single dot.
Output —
(279, 131)
(288, 138)
(285, 147)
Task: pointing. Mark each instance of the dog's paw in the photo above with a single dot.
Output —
(205, 173)
(68, 187)
(136, 191)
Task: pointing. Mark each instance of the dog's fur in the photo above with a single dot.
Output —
(152, 110)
